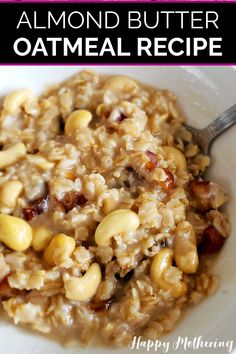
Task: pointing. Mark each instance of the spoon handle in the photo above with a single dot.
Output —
(222, 123)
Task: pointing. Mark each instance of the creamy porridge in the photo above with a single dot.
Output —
(105, 225)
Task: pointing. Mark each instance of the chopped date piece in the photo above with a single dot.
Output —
(107, 114)
(35, 151)
(72, 199)
(168, 183)
(102, 305)
(152, 156)
(205, 195)
(121, 117)
(37, 206)
(135, 207)
(212, 241)
(29, 213)
(81, 200)
(200, 193)
(150, 165)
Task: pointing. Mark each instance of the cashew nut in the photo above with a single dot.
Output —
(12, 155)
(59, 249)
(175, 155)
(15, 100)
(15, 233)
(161, 264)
(77, 120)
(42, 235)
(117, 222)
(10, 192)
(119, 84)
(186, 256)
(82, 289)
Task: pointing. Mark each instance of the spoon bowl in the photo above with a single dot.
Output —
(205, 137)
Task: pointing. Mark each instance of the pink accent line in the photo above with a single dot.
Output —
(118, 1)
(119, 64)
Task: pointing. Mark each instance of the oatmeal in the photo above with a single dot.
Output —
(106, 226)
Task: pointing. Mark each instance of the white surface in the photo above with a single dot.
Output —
(203, 92)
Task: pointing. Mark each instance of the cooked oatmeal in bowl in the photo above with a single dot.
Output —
(106, 226)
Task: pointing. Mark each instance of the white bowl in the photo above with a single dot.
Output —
(203, 93)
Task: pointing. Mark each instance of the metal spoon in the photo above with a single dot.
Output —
(205, 137)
